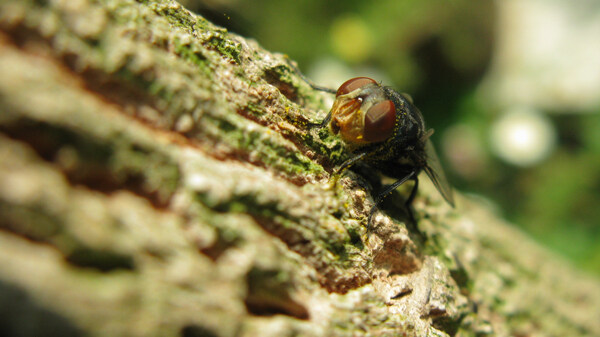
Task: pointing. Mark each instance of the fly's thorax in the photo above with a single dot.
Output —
(411, 125)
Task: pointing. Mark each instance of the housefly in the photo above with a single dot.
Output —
(383, 129)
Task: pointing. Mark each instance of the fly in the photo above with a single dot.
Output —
(383, 129)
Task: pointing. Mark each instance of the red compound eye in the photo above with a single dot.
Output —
(380, 121)
(353, 84)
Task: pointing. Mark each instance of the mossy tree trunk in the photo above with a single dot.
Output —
(159, 177)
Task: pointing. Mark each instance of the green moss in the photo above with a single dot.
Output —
(177, 16)
(338, 248)
(158, 173)
(355, 238)
(40, 225)
(327, 145)
(435, 246)
(264, 149)
(282, 72)
(190, 52)
(218, 40)
(125, 75)
(29, 221)
(254, 109)
(270, 215)
(182, 18)
(105, 165)
(225, 47)
(293, 163)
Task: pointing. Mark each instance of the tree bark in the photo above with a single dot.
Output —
(159, 176)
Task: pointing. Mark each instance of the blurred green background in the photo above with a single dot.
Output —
(512, 88)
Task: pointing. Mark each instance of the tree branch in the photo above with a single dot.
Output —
(160, 177)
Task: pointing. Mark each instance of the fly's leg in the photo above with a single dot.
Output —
(309, 82)
(350, 162)
(317, 87)
(314, 87)
(410, 199)
(412, 175)
(323, 123)
(338, 171)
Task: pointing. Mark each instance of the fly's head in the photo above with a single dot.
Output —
(361, 112)
(365, 113)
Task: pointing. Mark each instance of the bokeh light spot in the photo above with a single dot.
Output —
(523, 137)
(350, 38)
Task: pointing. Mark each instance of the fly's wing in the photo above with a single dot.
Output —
(436, 173)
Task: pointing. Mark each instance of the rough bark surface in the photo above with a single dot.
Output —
(159, 177)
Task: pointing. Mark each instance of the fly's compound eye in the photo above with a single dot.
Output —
(353, 84)
(379, 121)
